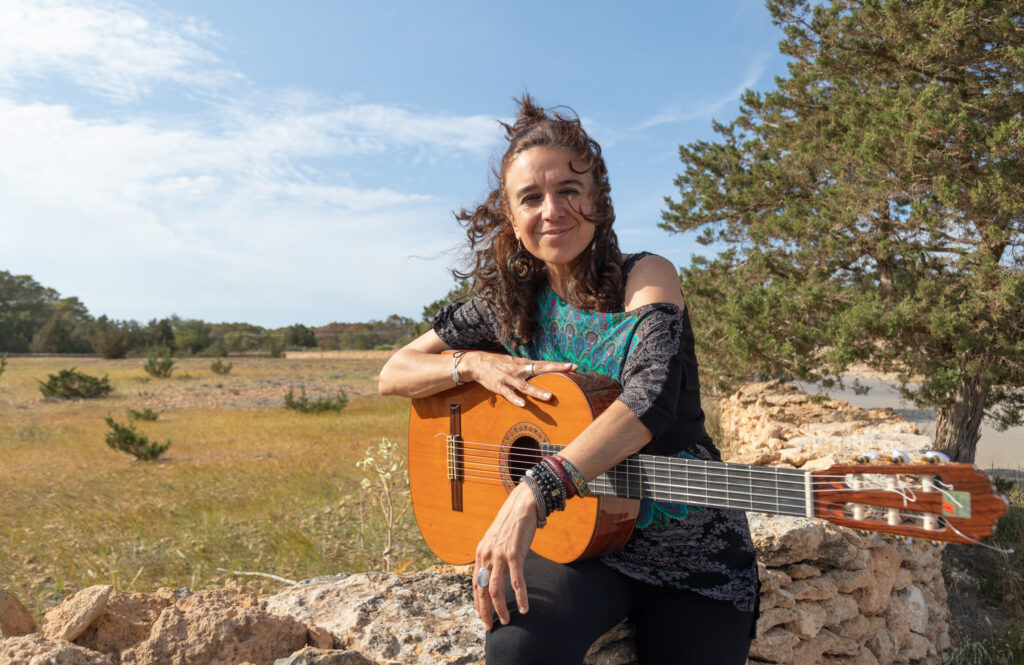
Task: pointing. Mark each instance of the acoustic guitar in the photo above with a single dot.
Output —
(468, 448)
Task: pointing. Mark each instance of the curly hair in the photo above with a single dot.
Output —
(596, 282)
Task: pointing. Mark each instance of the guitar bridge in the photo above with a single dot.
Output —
(456, 455)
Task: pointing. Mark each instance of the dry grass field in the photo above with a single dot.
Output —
(245, 486)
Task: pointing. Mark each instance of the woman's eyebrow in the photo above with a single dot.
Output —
(568, 181)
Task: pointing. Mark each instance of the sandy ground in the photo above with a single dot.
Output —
(999, 452)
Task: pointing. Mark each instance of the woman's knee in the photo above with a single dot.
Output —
(523, 641)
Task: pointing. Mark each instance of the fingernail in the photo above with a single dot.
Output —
(520, 402)
(504, 622)
(547, 395)
(522, 610)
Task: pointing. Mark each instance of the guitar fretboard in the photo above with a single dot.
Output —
(701, 483)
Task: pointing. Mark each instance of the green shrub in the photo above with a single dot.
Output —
(159, 365)
(145, 414)
(321, 404)
(127, 439)
(3, 364)
(69, 384)
(220, 367)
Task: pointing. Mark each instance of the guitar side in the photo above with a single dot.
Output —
(457, 487)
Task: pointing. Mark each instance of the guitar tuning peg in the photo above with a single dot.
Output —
(900, 457)
(868, 457)
(940, 544)
(935, 457)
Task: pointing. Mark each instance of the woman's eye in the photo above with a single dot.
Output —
(569, 191)
(531, 198)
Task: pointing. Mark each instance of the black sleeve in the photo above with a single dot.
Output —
(654, 370)
(468, 325)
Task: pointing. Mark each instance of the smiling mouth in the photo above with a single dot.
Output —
(554, 233)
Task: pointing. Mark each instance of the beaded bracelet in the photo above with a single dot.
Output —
(574, 473)
(551, 486)
(538, 496)
(563, 475)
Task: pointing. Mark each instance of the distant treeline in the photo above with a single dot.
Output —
(36, 319)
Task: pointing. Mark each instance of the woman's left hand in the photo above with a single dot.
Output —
(503, 550)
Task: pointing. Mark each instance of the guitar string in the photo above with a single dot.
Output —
(490, 471)
(692, 493)
(906, 492)
(909, 517)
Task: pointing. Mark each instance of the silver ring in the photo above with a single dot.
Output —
(529, 371)
(483, 578)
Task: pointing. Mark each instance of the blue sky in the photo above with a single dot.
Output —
(276, 162)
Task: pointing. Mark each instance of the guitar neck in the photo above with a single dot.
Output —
(701, 483)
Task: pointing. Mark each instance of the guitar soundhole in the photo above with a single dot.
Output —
(520, 449)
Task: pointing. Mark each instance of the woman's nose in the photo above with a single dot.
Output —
(552, 207)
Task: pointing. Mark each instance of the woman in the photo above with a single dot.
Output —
(554, 294)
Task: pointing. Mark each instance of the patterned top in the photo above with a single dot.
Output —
(650, 351)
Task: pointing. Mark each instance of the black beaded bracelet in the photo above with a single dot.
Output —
(551, 486)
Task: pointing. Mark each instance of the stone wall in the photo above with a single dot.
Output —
(829, 595)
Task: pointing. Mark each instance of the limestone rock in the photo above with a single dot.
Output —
(914, 608)
(810, 618)
(839, 609)
(37, 649)
(70, 619)
(416, 618)
(15, 620)
(812, 589)
(219, 627)
(781, 540)
(125, 621)
(314, 656)
(802, 571)
(774, 617)
(775, 647)
(882, 567)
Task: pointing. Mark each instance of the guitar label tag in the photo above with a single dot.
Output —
(956, 504)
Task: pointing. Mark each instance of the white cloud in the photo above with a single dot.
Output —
(108, 47)
(274, 203)
(709, 108)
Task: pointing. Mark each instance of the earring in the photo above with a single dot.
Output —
(519, 264)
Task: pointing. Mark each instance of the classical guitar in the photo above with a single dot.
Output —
(468, 448)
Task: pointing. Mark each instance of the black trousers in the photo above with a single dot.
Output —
(571, 605)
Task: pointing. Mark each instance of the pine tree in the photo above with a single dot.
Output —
(872, 209)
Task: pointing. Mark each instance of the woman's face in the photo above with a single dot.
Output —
(547, 200)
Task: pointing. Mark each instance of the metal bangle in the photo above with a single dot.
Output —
(456, 358)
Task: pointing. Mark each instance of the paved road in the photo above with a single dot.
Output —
(1002, 452)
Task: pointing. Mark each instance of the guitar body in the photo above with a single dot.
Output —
(468, 448)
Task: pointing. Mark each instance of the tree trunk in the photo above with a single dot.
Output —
(958, 427)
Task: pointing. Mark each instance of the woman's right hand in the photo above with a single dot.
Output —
(507, 375)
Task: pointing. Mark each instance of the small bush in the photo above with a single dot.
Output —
(3, 364)
(159, 365)
(302, 404)
(388, 473)
(145, 414)
(127, 439)
(69, 384)
(220, 367)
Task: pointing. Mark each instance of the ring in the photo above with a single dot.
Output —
(483, 578)
(529, 370)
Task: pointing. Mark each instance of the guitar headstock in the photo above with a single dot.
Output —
(935, 500)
